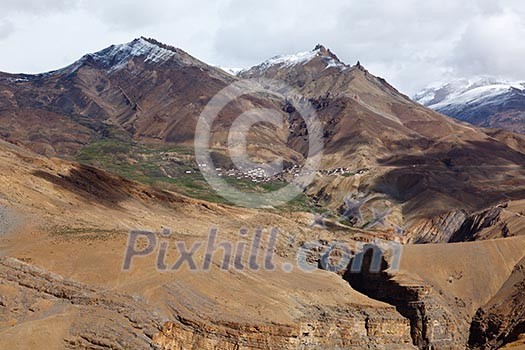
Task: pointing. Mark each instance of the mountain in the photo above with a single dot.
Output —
(487, 102)
(132, 109)
(423, 163)
(62, 284)
(143, 89)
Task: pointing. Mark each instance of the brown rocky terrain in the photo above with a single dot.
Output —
(129, 85)
(143, 89)
(62, 278)
(502, 319)
(74, 235)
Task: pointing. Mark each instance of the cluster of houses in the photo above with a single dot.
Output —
(259, 175)
(336, 171)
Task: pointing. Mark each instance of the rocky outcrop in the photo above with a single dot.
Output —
(476, 222)
(438, 229)
(502, 320)
(500, 221)
(103, 319)
(377, 331)
(433, 324)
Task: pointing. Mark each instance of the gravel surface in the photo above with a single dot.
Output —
(8, 220)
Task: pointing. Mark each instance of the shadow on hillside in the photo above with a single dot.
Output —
(92, 185)
(472, 177)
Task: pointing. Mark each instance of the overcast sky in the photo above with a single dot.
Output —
(411, 43)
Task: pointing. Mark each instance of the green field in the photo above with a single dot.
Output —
(165, 166)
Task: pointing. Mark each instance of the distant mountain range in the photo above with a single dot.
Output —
(486, 102)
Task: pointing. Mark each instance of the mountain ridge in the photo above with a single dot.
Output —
(483, 101)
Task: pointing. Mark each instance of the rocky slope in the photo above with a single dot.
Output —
(69, 231)
(439, 288)
(67, 314)
(143, 89)
(61, 275)
(502, 320)
(505, 220)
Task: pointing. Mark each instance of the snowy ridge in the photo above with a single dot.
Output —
(117, 56)
(286, 61)
(484, 101)
(290, 60)
(465, 91)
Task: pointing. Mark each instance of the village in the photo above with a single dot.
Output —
(259, 175)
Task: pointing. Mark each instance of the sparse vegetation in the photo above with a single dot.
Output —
(171, 168)
(84, 233)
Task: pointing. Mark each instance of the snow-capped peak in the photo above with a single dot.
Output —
(290, 60)
(302, 58)
(465, 91)
(117, 56)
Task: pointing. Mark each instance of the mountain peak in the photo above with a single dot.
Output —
(359, 66)
(485, 101)
(151, 50)
(153, 42)
(464, 91)
(115, 57)
(324, 52)
(319, 53)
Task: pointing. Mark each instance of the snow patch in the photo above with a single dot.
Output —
(290, 60)
(119, 55)
(116, 57)
(287, 61)
(17, 80)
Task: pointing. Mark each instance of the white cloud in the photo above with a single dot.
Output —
(492, 45)
(409, 42)
(6, 28)
(37, 6)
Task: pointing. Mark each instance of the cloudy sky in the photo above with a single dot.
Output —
(411, 43)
